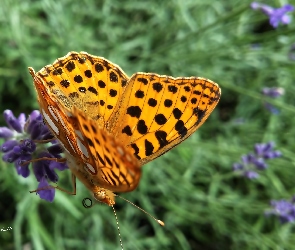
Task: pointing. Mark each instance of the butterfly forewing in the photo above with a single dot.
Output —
(92, 84)
(158, 112)
(55, 117)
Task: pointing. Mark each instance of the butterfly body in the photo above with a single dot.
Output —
(110, 124)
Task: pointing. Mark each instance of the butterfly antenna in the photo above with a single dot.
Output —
(159, 221)
(121, 243)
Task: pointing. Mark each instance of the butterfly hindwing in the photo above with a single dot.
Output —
(116, 168)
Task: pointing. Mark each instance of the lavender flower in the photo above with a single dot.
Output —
(276, 15)
(253, 162)
(19, 147)
(273, 92)
(284, 209)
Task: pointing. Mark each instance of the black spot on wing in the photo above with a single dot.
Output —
(136, 150)
(99, 68)
(92, 90)
(152, 102)
(113, 77)
(180, 128)
(160, 119)
(100, 159)
(88, 73)
(172, 88)
(134, 111)
(177, 113)
(70, 66)
(168, 103)
(143, 80)
(200, 114)
(157, 86)
(127, 130)
(78, 79)
(141, 127)
(161, 137)
(65, 83)
(90, 143)
(149, 148)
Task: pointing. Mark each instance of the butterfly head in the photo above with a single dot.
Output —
(104, 195)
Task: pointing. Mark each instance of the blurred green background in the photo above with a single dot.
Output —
(204, 204)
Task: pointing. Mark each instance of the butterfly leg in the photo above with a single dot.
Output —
(45, 141)
(44, 159)
(59, 188)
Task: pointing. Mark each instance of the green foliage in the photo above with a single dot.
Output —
(192, 188)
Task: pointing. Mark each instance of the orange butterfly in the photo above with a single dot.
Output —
(110, 124)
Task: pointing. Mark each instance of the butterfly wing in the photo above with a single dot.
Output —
(99, 159)
(116, 168)
(158, 112)
(90, 83)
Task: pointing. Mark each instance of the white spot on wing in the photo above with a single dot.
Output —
(120, 150)
(128, 157)
(50, 122)
(78, 133)
(71, 144)
(90, 168)
(82, 148)
(69, 114)
(62, 123)
(50, 108)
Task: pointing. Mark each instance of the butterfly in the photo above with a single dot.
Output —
(110, 124)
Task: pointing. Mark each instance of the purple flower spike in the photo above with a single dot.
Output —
(251, 163)
(265, 150)
(58, 165)
(12, 121)
(23, 170)
(238, 166)
(276, 15)
(5, 132)
(20, 148)
(273, 92)
(271, 108)
(260, 164)
(55, 149)
(42, 169)
(262, 148)
(10, 157)
(48, 192)
(273, 154)
(284, 209)
(247, 159)
(251, 175)
(8, 145)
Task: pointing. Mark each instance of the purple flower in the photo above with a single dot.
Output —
(283, 209)
(253, 162)
(48, 192)
(265, 150)
(251, 174)
(20, 147)
(276, 15)
(273, 92)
